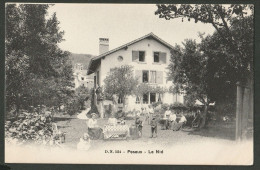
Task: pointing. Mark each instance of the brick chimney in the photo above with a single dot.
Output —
(103, 45)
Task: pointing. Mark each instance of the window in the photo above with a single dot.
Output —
(153, 77)
(145, 99)
(141, 56)
(159, 57)
(156, 57)
(152, 97)
(159, 98)
(145, 76)
(138, 56)
(137, 100)
(120, 58)
(82, 78)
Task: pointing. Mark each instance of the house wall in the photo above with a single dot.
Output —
(149, 46)
(87, 82)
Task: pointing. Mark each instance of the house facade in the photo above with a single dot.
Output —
(149, 55)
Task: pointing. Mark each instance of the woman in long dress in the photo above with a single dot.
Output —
(94, 130)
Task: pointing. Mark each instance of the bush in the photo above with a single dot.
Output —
(73, 106)
(165, 106)
(30, 127)
(155, 104)
(120, 114)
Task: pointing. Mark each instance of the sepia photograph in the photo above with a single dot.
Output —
(157, 84)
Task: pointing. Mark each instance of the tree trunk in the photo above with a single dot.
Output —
(204, 116)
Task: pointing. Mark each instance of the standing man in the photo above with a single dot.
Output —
(172, 120)
(166, 117)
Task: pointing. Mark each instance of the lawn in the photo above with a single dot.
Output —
(213, 145)
(75, 128)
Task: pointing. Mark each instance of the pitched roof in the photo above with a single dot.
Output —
(96, 60)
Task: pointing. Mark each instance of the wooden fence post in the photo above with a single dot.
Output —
(239, 109)
(245, 111)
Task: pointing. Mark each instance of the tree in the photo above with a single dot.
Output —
(36, 69)
(189, 71)
(223, 18)
(227, 74)
(120, 82)
(144, 88)
(83, 95)
(230, 48)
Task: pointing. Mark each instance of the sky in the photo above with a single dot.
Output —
(84, 24)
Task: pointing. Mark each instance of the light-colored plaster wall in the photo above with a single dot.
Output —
(149, 46)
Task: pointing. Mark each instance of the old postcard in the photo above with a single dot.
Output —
(168, 84)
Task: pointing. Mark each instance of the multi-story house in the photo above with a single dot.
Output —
(81, 78)
(149, 56)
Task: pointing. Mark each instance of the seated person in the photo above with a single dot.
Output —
(172, 117)
(112, 120)
(94, 130)
(84, 143)
(183, 120)
(167, 113)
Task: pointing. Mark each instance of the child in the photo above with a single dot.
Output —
(154, 127)
(139, 126)
(84, 143)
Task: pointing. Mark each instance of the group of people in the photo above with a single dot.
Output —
(148, 115)
(170, 119)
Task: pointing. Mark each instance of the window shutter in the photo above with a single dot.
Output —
(159, 77)
(162, 57)
(138, 74)
(135, 56)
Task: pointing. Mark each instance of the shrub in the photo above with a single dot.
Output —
(155, 104)
(165, 106)
(30, 127)
(73, 106)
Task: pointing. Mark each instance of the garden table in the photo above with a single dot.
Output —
(116, 131)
